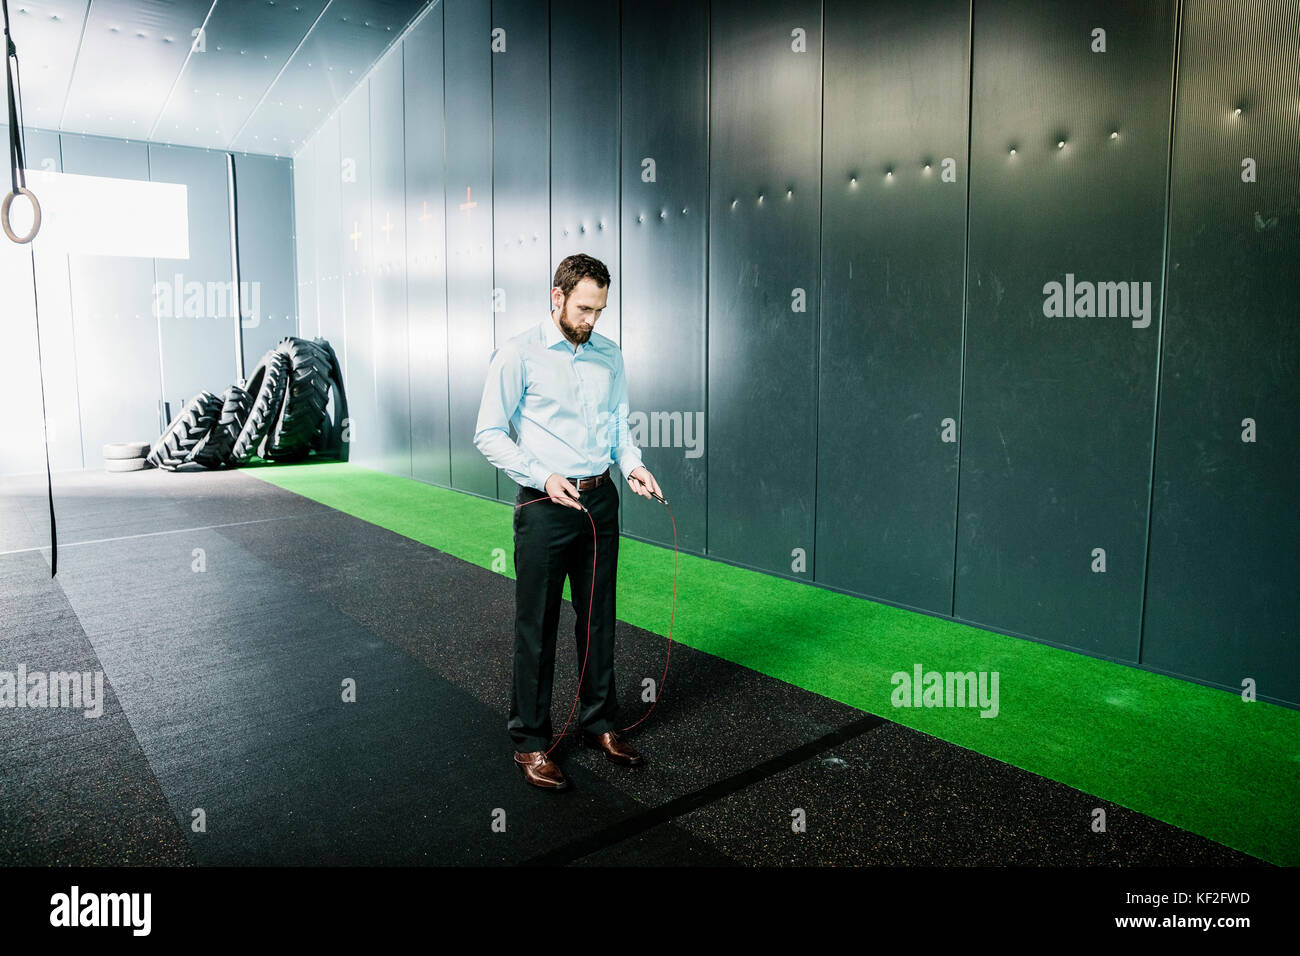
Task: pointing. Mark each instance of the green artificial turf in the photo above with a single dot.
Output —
(1199, 758)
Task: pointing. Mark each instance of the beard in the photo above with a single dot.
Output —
(575, 331)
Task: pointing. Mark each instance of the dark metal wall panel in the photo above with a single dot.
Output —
(305, 238)
(468, 104)
(20, 381)
(584, 140)
(893, 259)
(426, 263)
(1222, 600)
(1056, 437)
(521, 264)
(115, 330)
(388, 226)
(264, 191)
(358, 242)
(664, 110)
(193, 298)
(330, 240)
(765, 105)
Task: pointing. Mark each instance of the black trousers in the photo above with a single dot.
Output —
(553, 542)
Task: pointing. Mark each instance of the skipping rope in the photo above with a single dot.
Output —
(590, 602)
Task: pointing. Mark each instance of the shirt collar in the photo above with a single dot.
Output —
(553, 336)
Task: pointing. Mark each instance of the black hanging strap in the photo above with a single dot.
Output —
(18, 180)
(17, 173)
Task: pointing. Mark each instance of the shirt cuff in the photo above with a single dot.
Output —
(629, 460)
(539, 476)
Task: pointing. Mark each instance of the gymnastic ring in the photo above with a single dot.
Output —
(36, 216)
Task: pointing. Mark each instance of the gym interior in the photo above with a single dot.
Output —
(960, 337)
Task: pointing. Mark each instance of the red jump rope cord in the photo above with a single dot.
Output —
(583, 672)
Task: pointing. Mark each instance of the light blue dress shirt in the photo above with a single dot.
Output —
(569, 408)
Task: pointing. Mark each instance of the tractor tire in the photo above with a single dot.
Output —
(302, 413)
(267, 386)
(218, 446)
(330, 442)
(176, 445)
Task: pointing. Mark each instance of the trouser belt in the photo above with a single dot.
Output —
(595, 481)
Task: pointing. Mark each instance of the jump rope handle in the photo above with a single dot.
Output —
(647, 488)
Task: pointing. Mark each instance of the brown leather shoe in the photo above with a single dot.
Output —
(616, 748)
(541, 771)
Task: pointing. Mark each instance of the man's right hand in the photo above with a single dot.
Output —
(562, 490)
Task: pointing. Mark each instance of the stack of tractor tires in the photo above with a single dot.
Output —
(292, 406)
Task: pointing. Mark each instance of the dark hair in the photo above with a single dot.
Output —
(576, 267)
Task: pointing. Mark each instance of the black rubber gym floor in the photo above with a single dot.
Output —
(226, 615)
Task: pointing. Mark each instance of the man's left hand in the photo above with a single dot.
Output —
(640, 480)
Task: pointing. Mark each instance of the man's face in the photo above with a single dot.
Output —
(579, 313)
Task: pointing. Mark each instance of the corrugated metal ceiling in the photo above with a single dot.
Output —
(257, 76)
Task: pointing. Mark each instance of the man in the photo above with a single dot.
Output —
(563, 387)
